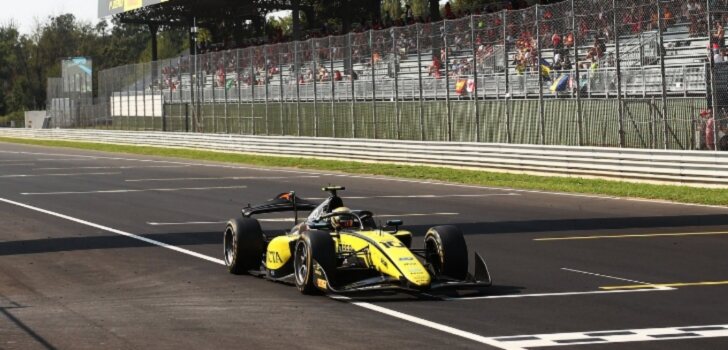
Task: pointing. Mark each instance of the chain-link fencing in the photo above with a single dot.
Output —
(616, 73)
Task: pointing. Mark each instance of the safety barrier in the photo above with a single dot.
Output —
(661, 166)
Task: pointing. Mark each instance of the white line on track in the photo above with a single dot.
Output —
(380, 178)
(152, 223)
(112, 230)
(17, 164)
(223, 178)
(43, 175)
(561, 294)
(116, 167)
(129, 191)
(607, 276)
(61, 159)
(400, 315)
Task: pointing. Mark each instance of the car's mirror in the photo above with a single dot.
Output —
(394, 223)
(319, 225)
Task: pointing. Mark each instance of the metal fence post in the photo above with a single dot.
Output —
(396, 84)
(353, 86)
(617, 60)
(297, 70)
(333, 87)
(542, 118)
(509, 137)
(447, 80)
(265, 77)
(374, 84)
(225, 87)
(711, 76)
(577, 77)
(253, 83)
(419, 79)
(280, 88)
(314, 53)
(240, 90)
(475, 78)
(662, 74)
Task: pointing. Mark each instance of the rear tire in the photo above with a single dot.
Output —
(447, 252)
(244, 245)
(313, 246)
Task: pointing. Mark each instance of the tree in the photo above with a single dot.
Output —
(392, 9)
(420, 8)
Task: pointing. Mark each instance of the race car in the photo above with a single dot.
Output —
(339, 250)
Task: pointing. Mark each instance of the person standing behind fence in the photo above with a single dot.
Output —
(708, 126)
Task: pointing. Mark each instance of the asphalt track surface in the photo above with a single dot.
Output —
(101, 250)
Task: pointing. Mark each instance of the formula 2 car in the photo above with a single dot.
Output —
(339, 250)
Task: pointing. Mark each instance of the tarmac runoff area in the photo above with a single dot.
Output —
(101, 250)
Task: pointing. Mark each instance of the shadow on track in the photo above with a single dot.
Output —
(65, 244)
(443, 295)
(590, 224)
(4, 310)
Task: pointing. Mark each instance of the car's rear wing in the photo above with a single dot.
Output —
(283, 202)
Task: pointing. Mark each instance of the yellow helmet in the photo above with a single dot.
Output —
(342, 221)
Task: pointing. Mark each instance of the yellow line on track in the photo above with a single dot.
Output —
(668, 285)
(651, 235)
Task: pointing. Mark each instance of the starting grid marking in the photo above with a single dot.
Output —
(612, 336)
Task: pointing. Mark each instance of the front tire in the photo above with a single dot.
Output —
(447, 252)
(313, 246)
(244, 245)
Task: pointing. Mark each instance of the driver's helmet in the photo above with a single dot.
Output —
(342, 221)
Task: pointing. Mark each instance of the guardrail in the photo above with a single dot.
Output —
(660, 166)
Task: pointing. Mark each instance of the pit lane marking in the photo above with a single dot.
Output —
(611, 336)
(67, 174)
(133, 190)
(648, 235)
(224, 178)
(152, 223)
(670, 285)
(380, 178)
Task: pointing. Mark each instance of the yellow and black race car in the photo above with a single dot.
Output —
(340, 250)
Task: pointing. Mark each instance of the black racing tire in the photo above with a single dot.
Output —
(244, 245)
(447, 252)
(313, 246)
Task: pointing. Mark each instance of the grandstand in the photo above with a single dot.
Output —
(395, 76)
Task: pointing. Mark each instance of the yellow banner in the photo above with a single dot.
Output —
(132, 4)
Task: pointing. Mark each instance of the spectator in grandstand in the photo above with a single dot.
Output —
(434, 68)
(337, 75)
(719, 37)
(717, 54)
(352, 75)
(323, 74)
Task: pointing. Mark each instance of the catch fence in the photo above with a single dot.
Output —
(617, 73)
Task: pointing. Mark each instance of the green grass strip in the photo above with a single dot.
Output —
(683, 194)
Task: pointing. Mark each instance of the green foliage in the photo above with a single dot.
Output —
(392, 9)
(27, 61)
(420, 8)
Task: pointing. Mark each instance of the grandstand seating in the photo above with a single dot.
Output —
(685, 69)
